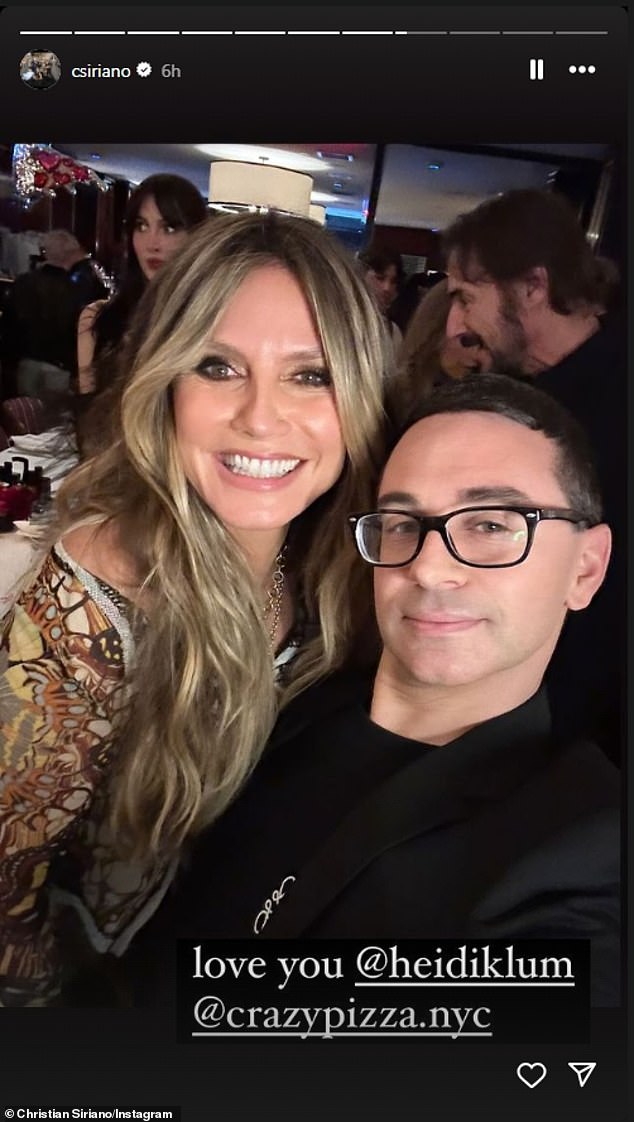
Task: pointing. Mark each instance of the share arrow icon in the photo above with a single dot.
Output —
(582, 1071)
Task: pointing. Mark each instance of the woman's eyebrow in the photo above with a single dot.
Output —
(312, 354)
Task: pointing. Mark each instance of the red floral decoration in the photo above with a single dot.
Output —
(40, 170)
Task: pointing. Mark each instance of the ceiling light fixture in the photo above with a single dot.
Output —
(238, 187)
(346, 156)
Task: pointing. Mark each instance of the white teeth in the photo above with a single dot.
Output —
(259, 469)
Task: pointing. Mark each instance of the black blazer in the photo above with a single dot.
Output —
(500, 834)
(503, 833)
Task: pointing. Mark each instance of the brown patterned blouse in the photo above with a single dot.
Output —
(63, 652)
(65, 649)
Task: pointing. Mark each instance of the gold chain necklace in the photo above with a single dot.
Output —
(275, 595)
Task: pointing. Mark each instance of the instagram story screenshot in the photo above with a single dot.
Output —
(313, 614)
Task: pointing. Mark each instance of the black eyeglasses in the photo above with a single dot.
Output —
(486, 537)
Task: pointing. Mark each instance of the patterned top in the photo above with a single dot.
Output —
(62, 656)
(64, 651)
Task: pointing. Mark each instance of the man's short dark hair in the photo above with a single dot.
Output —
(524, 403)
(505, 237)
(379, 260)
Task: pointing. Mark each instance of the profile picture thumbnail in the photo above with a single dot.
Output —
(40, 70)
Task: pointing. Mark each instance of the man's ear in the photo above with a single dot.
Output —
(592, 562)
(534, 287)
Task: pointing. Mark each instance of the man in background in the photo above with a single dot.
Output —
(86, 283)
(523, 277)
(39, 331)
(40, 320)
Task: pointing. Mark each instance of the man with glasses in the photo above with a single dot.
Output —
(431, 800)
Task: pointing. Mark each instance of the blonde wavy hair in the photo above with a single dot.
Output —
(201, 697)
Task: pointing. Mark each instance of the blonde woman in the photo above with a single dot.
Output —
(201, 576)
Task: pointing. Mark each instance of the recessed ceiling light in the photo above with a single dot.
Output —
(347, 156)
(434, 167)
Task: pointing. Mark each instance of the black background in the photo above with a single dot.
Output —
(453, 87)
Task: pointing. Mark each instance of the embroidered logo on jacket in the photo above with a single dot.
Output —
(263, 916)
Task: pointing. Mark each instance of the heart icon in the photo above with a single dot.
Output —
(531, 1074)
(48, 160)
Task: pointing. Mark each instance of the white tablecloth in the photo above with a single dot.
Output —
(18, 552)
(55, 451)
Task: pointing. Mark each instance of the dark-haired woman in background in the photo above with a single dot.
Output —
(159, 214)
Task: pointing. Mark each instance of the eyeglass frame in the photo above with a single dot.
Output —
(532, 514)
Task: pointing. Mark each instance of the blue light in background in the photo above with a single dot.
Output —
(353, 215)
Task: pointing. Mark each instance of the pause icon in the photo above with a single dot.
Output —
(537, 70)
